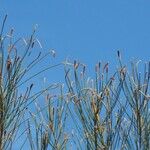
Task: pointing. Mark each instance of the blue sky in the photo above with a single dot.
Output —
(86, 30)
(83, 29)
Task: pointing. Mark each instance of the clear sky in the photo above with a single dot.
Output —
(87, 30)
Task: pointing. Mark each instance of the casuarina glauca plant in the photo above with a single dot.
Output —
(49, 123)
(13, 68)
(110, 111)
(94, 101)
(136, 89)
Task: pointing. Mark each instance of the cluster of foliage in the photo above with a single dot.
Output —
(107, 112)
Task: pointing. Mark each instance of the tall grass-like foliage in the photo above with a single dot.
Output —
(136, 89)
(109, 112)
(14, 69)
(49, 123)
(94, 102)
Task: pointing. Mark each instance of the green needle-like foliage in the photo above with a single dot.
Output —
(15, 65)
(107, 112)
(136, 89)
(49, 124)
(94, 101)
